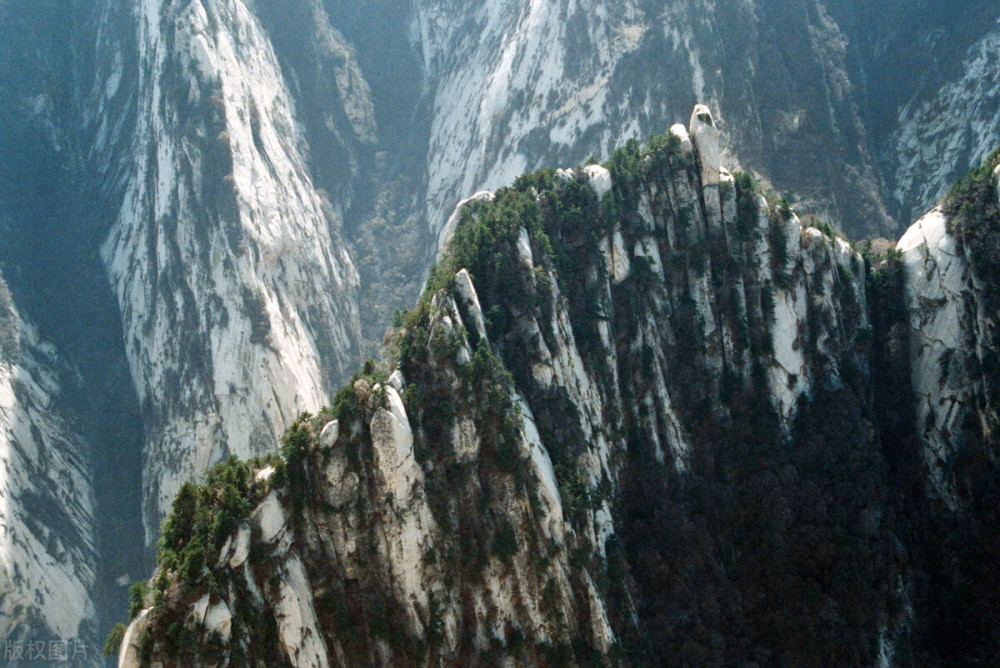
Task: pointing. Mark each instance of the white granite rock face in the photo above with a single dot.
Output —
(946, 131)
(392, 441)
(616, 257)
(705, 137)
(237, 295)
(470, 301)
(330, 434)
(599, 179)
(514, 93)
(378, 515)
(449, 227)
(300, 555)
(294, 610)
(516, 86)
(130, 649)
(48, 554)
(947, 320)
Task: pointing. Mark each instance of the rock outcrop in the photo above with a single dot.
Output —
(954, 344)
(487, 501)
(952, 120)
(705, 137)
(208, 189)
(630, 395)
(938, 282)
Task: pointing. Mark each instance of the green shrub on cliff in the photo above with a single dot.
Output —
(973, 213)
(203, 516)
(114, 640)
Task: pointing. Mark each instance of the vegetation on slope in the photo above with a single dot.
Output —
(769, 547)
(201, 521)
(725, 560)
(948, 556)
(972, 209)
(973, 214)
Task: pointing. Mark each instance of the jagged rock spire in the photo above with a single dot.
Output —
(705, 136)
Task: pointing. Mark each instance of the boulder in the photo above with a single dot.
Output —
(705, 137)
(599, 179)
(330, 433)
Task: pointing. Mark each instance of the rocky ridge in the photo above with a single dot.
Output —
(240, 138)
(953, 129)
(952, 304)
(541, 432)
(519, 86)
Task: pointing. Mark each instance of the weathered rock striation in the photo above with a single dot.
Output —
(951, 297)
(236, 293)
(48, 551)
(237, 176)
(602, 359)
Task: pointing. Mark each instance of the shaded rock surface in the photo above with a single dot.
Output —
(571, 457)
(48, 537)
(196, 196)
(574, 454)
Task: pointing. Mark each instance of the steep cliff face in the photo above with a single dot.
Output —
(69, 526)
(48, 542)
(888, 105)
(615, 377)
(951, 259)
(360, 555)
(926, 90)
(167, 149)
(237, 295)
(947, 130)
(224, 156)
(945, 459)
(517, 86)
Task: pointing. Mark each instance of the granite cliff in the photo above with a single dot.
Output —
(640, 415)
(210, 210)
